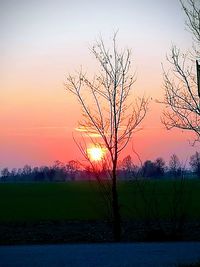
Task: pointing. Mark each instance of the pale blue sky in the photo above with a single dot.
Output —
(34, 25)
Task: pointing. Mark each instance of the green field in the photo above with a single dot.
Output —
(82, 201)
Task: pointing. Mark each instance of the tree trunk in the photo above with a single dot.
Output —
(115, 208)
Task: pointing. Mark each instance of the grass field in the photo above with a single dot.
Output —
(82, 201)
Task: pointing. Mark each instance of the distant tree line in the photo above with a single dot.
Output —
(158, 168)
(127, 170)
(59, 172)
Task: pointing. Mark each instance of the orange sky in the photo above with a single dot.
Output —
(42, 41)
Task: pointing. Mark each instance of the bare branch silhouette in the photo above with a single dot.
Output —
(108, 110)
(181, 82)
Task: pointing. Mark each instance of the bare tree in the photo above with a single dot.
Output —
(175, 167)
(128, 167)
(108, 111)
(72, 168)
(195, 163)
(182, 93)
(192, 12)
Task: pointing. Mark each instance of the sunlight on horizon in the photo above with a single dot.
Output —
(96, 153)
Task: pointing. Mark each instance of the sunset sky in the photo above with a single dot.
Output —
(42, 41)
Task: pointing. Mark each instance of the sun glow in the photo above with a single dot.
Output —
(96, 153)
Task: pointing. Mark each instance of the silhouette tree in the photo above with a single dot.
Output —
(175, 166)
(182, 93)
(148, 169)
(26, 170)
(108, 111)
(154, 169)
(4, 174)
(128, 167)
(159, 167)
(195, 163)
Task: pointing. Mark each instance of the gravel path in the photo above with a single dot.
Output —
(100, 255)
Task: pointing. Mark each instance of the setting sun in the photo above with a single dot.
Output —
(96, 153)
